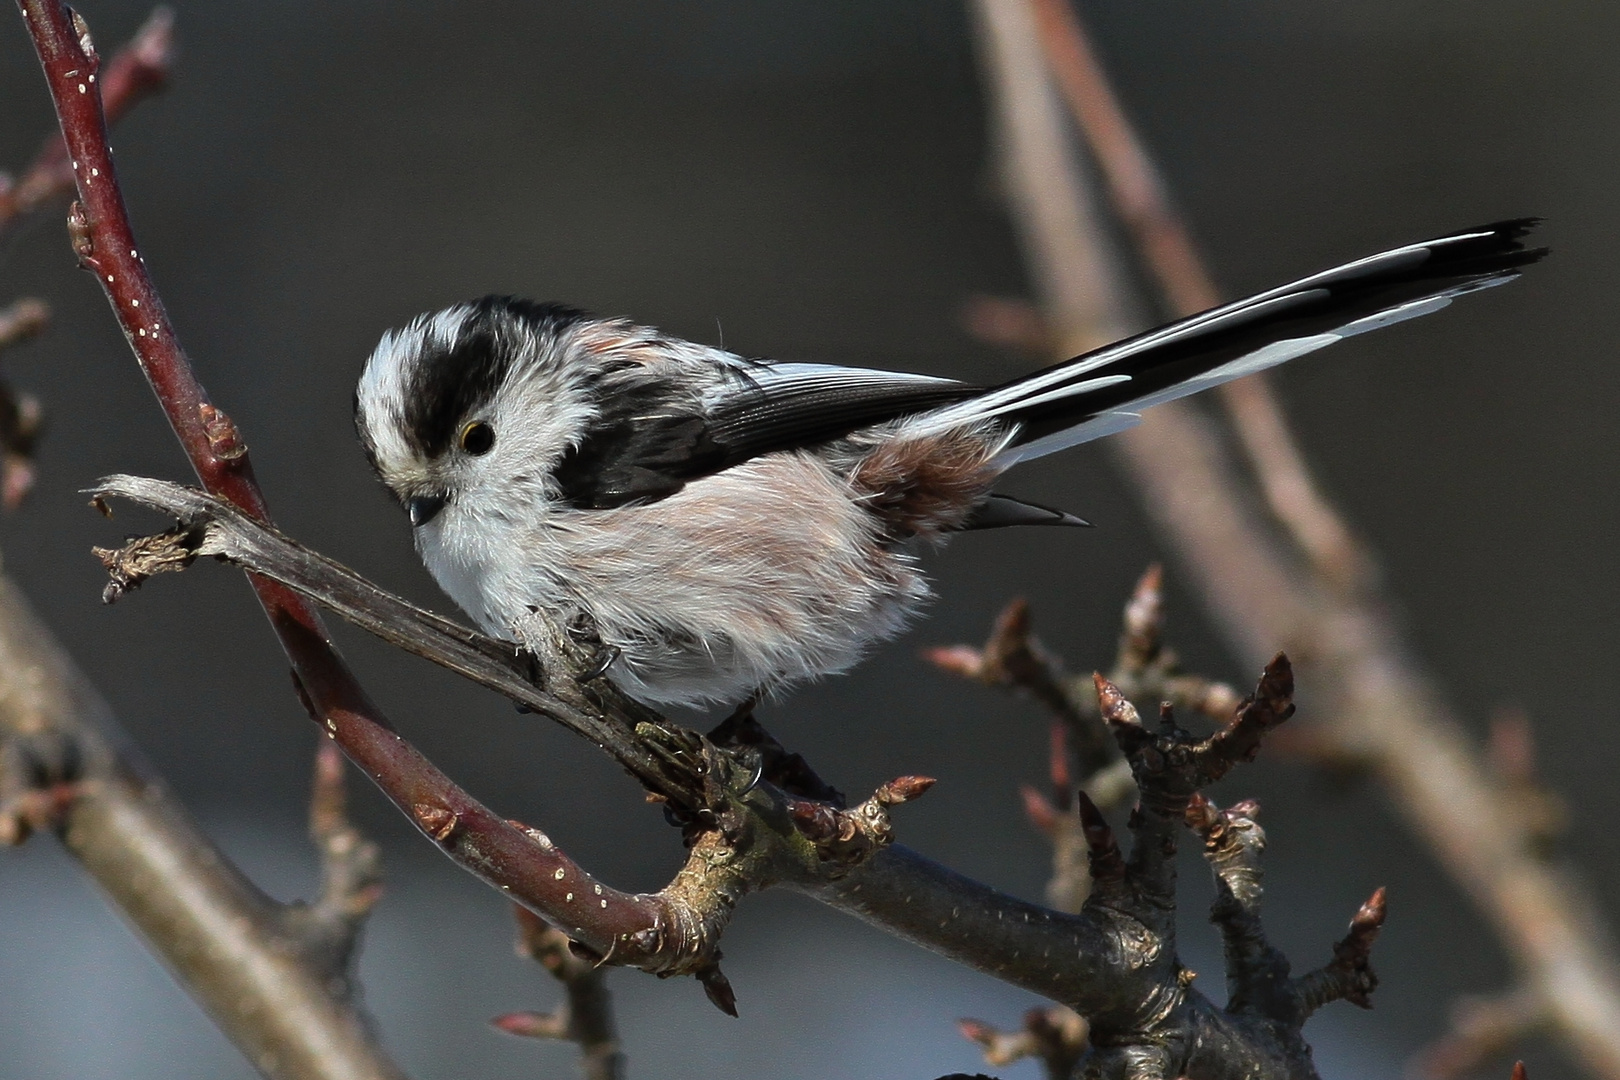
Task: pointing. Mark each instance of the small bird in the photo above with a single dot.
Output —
(728, 526)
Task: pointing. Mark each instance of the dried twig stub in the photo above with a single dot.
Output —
(128, 567)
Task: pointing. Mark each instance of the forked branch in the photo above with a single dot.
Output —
(1261, 593)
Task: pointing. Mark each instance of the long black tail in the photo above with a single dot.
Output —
(1103, 391)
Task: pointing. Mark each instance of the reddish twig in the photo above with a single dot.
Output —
(136, 72)
(1013, 658)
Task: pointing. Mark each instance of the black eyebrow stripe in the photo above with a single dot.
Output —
(450, 380)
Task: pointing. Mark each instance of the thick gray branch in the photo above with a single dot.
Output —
(222, 938)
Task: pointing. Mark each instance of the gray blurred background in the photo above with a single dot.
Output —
(808, 179)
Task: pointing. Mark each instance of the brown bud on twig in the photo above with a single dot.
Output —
(963, 660)
(533, 1025)
(439, 822)
(80, 235)
(223, 438)
(1107, 864)
(718, 989)
(1041, 813)
(850, 837)
(1352, 954)
(1056, 1036)
(1349, 975)
(903, 789)
(1115, 709)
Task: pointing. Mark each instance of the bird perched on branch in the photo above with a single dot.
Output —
(730, 525)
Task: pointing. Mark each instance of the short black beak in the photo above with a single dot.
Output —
(424, 508)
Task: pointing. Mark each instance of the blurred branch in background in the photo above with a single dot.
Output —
(274, 977)
(21, 416)
(1308, 586)
(136, 72)
(586, 1015)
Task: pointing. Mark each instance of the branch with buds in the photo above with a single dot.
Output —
(1293, 573)
(764, 818)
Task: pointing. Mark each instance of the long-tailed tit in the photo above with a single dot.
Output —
(731, 525)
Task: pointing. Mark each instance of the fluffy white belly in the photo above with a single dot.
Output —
(757, 577)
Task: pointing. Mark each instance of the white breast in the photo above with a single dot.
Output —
(762, 575)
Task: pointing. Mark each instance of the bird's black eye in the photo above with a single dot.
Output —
(477, 438)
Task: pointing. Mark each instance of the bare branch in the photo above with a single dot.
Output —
(1347, 977)
(1013, 658)
(21, 417)
(586, 1015)
(21, 320)
(139, 70)
(351, 878)
(1387, 711)
(1481, 1029)
(65, 768)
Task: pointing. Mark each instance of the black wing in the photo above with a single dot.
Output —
(651, 436)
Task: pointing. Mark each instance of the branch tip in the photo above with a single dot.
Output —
(22, 320)
(903, 789)
(1144, 621)
(532, 1025)
(1115, 709)
(1040, 811)
(963, 660)
(1107, 863)
(718, 989)
(144, 557)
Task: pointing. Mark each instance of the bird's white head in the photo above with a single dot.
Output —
(470, 408)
